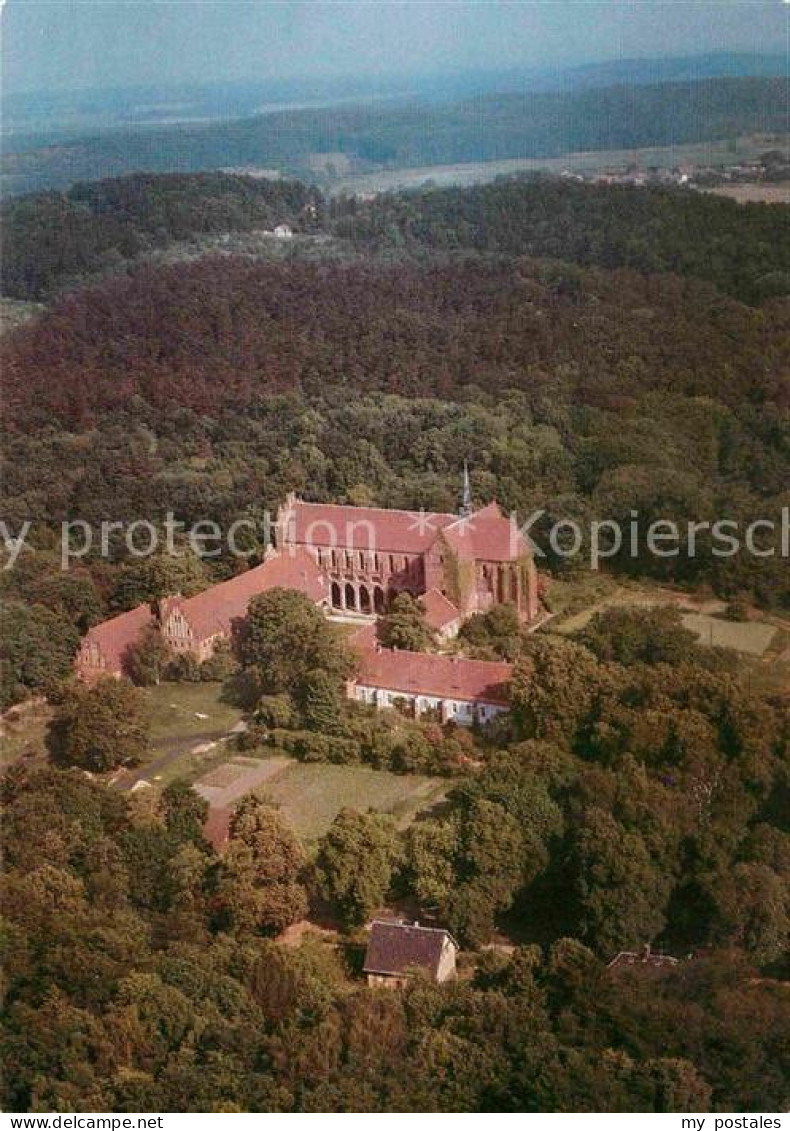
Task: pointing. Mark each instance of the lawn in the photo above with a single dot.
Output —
(188, 746)
(310, 794)
(188, 723)
(185, 714)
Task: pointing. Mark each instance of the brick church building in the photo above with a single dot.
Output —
(473, 560)
(350, 561)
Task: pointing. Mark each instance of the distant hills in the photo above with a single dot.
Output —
(490, 126)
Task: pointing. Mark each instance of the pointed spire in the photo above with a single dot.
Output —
(466, 504)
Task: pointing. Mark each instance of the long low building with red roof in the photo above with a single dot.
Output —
(104, 647)
(451, 687)
(194, 625)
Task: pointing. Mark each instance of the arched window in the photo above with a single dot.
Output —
(379, 601)
(337, 601)
(351, 597)
(364, 599)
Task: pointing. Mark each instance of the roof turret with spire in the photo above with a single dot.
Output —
(465, 509)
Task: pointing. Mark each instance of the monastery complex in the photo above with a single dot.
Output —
(350, 561)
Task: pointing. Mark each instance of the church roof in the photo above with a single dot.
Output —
(485, 535)
(214, 610)
(426, 673)
(364, 528)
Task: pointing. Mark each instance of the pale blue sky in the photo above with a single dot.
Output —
(87, 43)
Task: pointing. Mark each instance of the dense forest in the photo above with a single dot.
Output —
(51, 241)
(584, 361)
(742, 250)
(490, 127)
(639, 791)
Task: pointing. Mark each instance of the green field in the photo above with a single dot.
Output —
(311, 794)
(762, 642)
(188, 723)
(175, 710)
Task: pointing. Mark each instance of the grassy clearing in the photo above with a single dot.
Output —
(187, 713)
(763, 642)
(310, 795)
(751, 637)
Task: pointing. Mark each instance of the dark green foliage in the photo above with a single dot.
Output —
(258, 886)
(37, 646)
(656, 395)
(184, 811)
(653, 230)
(404, 625)
(99, 728)
(148, 659)
(51, 240)
(630, 636)
(355, 863)
(119, 993)
(285, 640)
(493, 635)
(320, 702)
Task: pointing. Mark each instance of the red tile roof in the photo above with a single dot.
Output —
(364, 638)
(425, 673)
(113, 637)
(216, 827)
(439, 611)
(364, 528)
(486, 535)
(212, 611)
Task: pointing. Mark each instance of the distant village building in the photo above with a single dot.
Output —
(283, 232)
(350, 561)
(397, 950)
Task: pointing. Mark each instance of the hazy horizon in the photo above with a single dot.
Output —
(73, 45)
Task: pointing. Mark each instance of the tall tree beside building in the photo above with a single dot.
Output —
(356, 860)
(99, 728)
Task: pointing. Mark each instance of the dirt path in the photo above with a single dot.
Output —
(127, 779)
